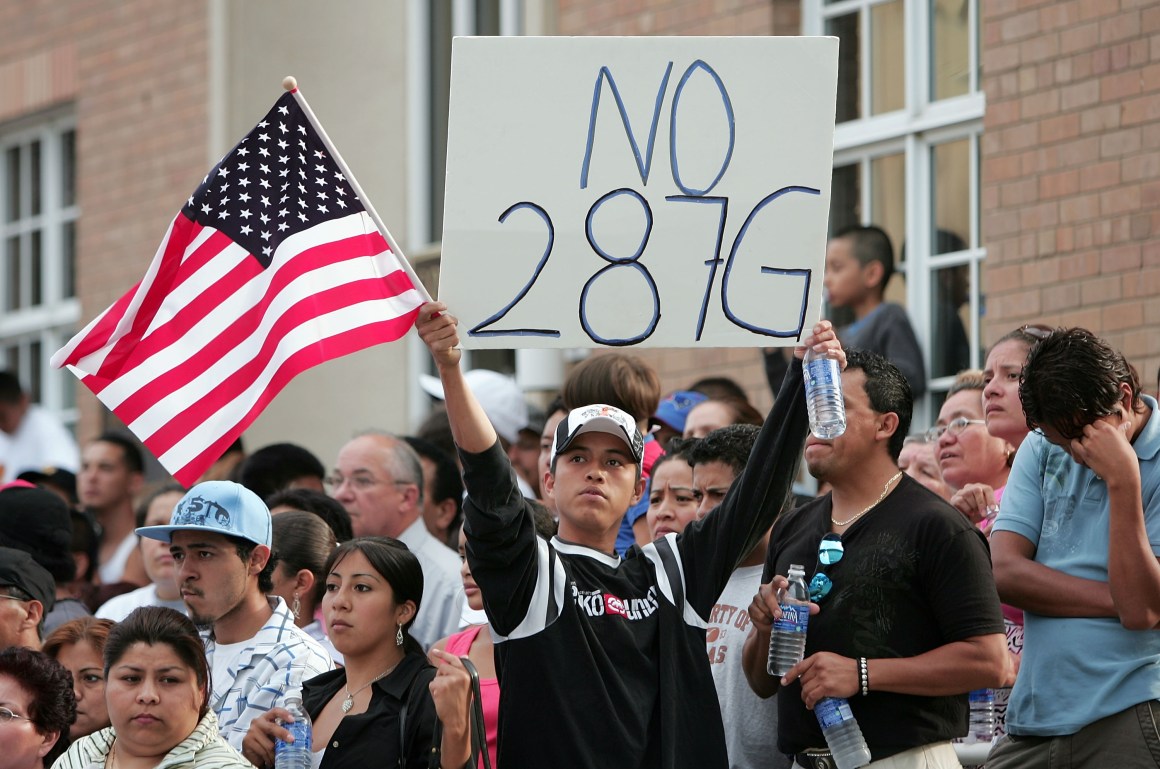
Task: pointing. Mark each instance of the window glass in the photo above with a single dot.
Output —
(34, 364)
(35, 189)
(845, 28)
(888, 197)
(950, 320)
(68, 258)
(12, 273)
(887, 57)
(68, 171)
(12, 188)
(950, 45)
(951, 196)
(845, 197)
(35, 270)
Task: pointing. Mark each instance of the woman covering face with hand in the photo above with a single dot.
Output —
(156, 690)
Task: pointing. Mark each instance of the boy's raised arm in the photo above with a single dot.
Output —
(469, 424)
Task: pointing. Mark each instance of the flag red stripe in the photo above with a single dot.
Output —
(210, 301)
(238, 275)
(189, 416)
(99, 334)
(308, 357)
(182, 232)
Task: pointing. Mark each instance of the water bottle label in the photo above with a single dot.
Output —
(981, 696)
(301, 732)
(794, 619)
(823, 372)
(832, 711)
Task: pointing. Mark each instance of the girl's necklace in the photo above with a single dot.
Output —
(348, 703)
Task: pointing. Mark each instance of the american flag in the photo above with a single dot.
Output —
(272, 266)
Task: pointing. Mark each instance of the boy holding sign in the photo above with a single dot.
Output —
(601, 659)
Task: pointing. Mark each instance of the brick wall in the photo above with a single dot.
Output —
(680, 367)
(135, 75)
(1071, 169)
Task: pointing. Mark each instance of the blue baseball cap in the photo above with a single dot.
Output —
(219, 507)
(673, 410)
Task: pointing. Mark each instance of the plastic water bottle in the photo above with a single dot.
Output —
(294, 755)
(824, 401)
(982, 726)
(787, 642)
(843, 735)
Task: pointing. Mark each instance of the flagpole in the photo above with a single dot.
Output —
(291, 85)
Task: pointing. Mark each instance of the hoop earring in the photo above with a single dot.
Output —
(398, 635)
(296, 607)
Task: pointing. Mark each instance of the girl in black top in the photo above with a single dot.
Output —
(376, 711)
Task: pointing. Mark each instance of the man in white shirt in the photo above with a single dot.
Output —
(220, 536)
(30, 438)
(379, 480)
(112, 474)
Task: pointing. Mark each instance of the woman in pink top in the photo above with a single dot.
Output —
(1005, 421)
(450, 687)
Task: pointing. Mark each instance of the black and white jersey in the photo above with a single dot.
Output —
(602, 660)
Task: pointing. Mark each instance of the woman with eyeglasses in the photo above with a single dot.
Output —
(969, 456)
(377, 710)
(36, 709)
(79, 645)
(157, 692)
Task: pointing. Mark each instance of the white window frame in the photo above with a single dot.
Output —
(52, 322)
(915, 130)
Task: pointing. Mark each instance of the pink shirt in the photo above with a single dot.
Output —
(459, 645)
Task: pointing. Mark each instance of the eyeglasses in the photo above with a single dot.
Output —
(954, 427)
(830, 551)
(21, 598)
(361, 482)
(7, 715)
(1036, 331)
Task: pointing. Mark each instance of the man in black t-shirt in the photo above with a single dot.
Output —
(601, 659)
(910, 621)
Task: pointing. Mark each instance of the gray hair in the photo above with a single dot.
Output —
(402, 461)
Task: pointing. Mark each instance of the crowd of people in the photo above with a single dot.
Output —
(613, 566)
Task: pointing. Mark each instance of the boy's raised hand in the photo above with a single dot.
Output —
(438, 330)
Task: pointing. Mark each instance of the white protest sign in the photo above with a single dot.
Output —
(660, 191)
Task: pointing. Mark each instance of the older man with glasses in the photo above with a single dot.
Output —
(378, 478)
(908, 617)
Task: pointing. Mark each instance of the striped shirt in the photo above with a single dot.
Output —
(273, 664)
(203, 748)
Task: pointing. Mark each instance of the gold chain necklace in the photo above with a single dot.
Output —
(348, 703)
(874, 504)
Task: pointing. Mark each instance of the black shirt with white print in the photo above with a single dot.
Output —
(601, 660)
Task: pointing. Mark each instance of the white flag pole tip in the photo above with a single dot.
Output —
(289, 83)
